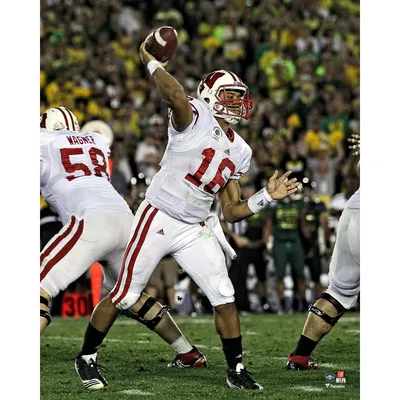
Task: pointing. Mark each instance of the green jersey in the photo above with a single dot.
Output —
(286, 219)
(255, 225)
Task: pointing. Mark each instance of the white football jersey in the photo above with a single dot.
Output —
(74, 174)
(196, 164)
(354, 200)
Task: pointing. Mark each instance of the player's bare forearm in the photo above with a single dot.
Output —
(235, 212)
(170, 89)
(233, 208)
(174, 96)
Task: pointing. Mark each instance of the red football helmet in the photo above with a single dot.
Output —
(214, 84)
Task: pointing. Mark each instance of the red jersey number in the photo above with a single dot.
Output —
(99, 166)
(218, 179)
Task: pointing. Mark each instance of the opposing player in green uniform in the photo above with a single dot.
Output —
(284, 223)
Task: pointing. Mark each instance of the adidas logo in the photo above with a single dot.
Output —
(227, 152)
(261, 203)
(161, 232)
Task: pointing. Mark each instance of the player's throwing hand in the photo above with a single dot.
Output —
(146, 57)
(279, 188)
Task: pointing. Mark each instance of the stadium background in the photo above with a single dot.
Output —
(300, 59)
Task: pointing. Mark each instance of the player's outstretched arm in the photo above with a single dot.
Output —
(170, 89)
(234, 209)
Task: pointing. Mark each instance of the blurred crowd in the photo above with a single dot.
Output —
(300, 59)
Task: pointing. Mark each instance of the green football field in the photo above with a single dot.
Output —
(136, 359)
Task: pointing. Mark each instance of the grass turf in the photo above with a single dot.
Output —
(136, 359)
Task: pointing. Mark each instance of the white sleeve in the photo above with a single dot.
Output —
(44, 167)
(201, 115)
(245, 164)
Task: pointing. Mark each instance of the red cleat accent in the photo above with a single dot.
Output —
(193, 359)
(300, 363)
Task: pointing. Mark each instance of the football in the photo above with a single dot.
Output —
(162, 43)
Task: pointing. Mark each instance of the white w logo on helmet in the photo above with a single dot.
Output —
(213, 91)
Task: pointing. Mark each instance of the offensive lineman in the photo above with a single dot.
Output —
(97, 222)
(204, 156)
(344, 282)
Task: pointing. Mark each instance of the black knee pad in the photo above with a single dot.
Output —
(330, 320)
(139, 316)
(44, 313)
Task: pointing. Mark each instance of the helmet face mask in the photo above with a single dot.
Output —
(241, 107)
(59, 118)
(216, 91)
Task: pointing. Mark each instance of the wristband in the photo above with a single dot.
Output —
(259, 200)
(153, 65)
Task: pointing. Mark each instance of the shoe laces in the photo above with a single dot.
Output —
(175, 360)
(244, 377)
(92, 366)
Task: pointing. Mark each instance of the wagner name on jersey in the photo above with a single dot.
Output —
(74, 174)
(196, 164)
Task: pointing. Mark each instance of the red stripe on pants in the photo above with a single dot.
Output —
(47, 251)
(135, 255)
(63, 252)
(128, 249)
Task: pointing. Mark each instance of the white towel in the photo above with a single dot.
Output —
(215, 227)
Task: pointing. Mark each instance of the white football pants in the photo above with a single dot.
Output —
(194, 246)
(101, 236)
(344, 269)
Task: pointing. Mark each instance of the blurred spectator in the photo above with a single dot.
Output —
(129, 20)
(337, 118)
(316, 137)
(122, 171)
(148, 153)
(324, 168)
(291, 160)
(305, 101)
